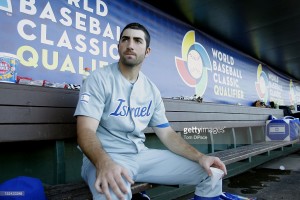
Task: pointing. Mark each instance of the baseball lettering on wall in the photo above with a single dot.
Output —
(275, 89)
(292, 93)
(29, 30)
(226, 77)
(195, 63)
(270, 87)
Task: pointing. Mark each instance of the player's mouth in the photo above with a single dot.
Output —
(129, 53)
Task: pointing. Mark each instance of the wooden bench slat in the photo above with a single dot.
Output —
(192, 106)
(240, 153)
(68, 191)
(36, 132)
(81, 191)
(193, 116)
(139, 187)
(36, 115)
(27, 95)
(179, 126)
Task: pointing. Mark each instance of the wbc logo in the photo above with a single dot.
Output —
(5, 5)
(194, 64)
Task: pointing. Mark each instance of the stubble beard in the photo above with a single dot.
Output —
(131, 63)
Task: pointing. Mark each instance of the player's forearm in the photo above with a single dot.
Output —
(92, 148)
(178, 145)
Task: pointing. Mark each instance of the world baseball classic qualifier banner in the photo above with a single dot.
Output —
(55, 41)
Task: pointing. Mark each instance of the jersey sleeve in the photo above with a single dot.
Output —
(91, 98)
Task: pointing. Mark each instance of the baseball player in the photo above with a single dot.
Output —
(116, 104)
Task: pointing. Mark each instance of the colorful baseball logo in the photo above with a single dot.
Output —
(6, 5)
(262, 84)
(193, 65)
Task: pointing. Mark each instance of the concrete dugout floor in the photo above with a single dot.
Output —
(278, 179)
(274, 180)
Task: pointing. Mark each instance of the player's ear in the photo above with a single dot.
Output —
(148, 50)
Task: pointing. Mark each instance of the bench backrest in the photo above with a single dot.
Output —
(36, 113)
(183, 114)
(39, 113)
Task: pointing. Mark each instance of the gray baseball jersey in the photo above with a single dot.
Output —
(123, 109)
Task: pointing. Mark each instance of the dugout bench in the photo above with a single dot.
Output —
(41, 119)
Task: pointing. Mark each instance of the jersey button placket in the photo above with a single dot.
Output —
(131, 105)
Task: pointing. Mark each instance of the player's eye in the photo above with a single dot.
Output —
(140, 41)
(123, 39)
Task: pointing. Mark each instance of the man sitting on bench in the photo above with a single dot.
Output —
(116, 104)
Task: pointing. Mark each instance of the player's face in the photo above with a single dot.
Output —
(132, 48)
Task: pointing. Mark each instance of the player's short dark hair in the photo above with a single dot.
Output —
(138, 26)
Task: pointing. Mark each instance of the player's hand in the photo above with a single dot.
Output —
(110, 175)
(210, 161)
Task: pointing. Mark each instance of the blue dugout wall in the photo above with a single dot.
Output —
(55, 41)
